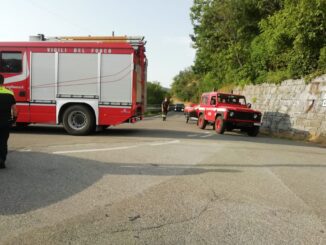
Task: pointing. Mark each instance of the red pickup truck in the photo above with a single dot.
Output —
(226, 112)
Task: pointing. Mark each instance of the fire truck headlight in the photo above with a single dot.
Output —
(231, 114)
(255, 116)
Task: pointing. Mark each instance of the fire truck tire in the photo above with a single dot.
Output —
(219, 125)
(202, 122)
(78, 120)
(253, 132)
(21, 125)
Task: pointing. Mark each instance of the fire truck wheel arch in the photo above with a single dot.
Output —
(63, 104)
(78, 119)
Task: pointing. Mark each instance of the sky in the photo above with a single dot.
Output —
(165, 24)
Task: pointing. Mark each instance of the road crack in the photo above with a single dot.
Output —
(311, 209)
(212, 198)
(163, 225)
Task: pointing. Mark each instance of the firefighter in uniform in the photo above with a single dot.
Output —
(165, 108)
(8, 115)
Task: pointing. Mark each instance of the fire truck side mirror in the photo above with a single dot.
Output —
(248, 105)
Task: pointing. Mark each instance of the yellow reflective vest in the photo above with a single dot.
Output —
(4, 90)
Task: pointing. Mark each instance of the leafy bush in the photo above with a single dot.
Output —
(254, 41)
(322, 60)
(155, 93)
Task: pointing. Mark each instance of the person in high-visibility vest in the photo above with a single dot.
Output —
(8, 115)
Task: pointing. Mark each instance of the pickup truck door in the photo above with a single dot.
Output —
(210, 109)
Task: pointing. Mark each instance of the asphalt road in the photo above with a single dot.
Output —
(158, 182)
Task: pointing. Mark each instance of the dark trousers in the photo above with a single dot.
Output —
(4, 136)
(164, 114)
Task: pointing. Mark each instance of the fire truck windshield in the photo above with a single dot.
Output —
(231, 99)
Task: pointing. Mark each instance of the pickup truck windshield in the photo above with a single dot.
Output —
(231, 99)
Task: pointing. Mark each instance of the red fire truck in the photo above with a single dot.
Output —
(80, 82)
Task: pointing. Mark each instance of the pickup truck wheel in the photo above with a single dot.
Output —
(202, 122)
(253, 131)
(78, 120)
(229, 128)
(219, 125)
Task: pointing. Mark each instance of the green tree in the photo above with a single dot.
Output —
(155, 93)
(253, 41)
(242, 41)
(223, 31)
(185, 85)
(291, 40)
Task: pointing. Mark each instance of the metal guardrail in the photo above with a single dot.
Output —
(153, 108)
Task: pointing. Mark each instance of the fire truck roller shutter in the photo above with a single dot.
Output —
(116, 78)
(78, 74)
(43, 76)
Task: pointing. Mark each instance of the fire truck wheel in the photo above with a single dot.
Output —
(253, 132)
(219, 125)
(202, 122)
(78, 120)
(21, 125)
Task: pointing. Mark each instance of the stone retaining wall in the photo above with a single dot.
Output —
(292, 109)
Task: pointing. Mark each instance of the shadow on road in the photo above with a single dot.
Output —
(43, 179)
(265, 165)
(39, 129)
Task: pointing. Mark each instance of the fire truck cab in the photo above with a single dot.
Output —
(80, 82)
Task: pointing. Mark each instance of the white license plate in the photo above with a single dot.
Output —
(257, 124)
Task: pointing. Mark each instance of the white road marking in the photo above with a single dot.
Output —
(117, 148)
(206, 136)
(94, 150)
(25, 150)
(192, 135)
(165, 143)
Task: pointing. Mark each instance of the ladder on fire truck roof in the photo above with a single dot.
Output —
(133, 40)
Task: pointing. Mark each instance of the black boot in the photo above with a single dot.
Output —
(2, 164)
